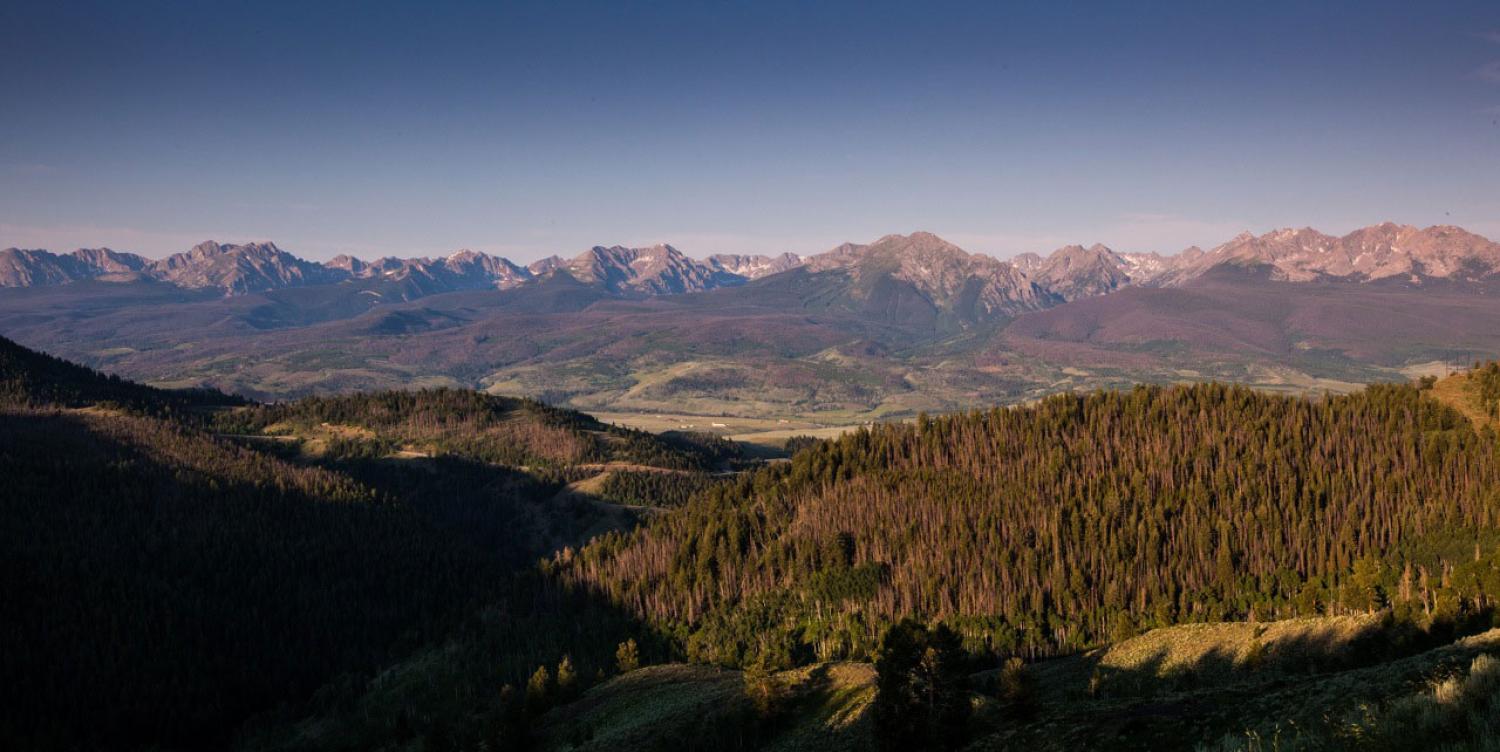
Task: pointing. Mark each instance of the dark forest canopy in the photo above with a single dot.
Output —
(161, 584)
(1048, 528)
(656, 489)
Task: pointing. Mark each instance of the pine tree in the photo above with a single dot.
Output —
(627, 656)
(567, 679)
(921, 700)
(539, 691)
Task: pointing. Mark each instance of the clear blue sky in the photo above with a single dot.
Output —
(389, 128)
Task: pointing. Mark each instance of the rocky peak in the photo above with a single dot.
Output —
(108, 261)
(1077, 257)
(490, 270)
(542, 267)
(236, 269)
(753, 267)
(948, 276)
(25, 268)
(1073, 272)
(1383, 251)
(21, 267)
(654, 270)
(347, 264)
(1028, 262)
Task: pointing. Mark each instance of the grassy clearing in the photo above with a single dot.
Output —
(1277, 685)
(1236, 646)
(1458, 392)
(835, 714)
(679, 706)
(771, 431)
(643, 708)
(1455, 708)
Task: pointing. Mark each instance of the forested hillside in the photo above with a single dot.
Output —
(1046, 529)
(160, 584)
(30, 377)
(167, 577)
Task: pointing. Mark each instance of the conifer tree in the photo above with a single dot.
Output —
(627, 656)
(539, 691)
(567, 679)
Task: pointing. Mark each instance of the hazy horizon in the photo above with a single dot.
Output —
(529, 130)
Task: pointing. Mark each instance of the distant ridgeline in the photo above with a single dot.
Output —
(1044, 529)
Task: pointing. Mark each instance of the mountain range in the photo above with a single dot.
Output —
(892, 327)
(260, 267)
(940, 271)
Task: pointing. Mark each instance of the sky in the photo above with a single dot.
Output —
(380, 128)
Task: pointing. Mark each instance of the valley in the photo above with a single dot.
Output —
(1154, 568)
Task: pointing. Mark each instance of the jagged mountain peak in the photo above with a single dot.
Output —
(347, 263)
(973, 287)
(211, 248)
(920, 242)
(920, 245)
(1074, 271)
(1073, 255)
(654, 270)
(1027, 262)
(28, 267)
(236, 269)
(753, 266)
(546, 265)
(470, 258)
(1384, 251)
(110, 261)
